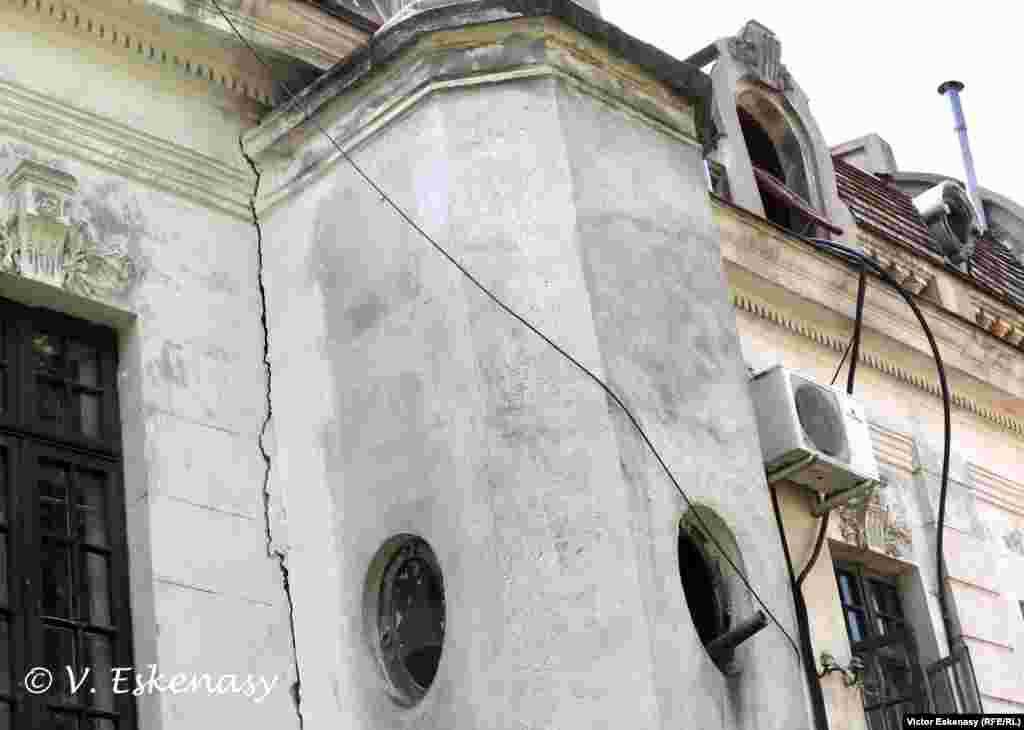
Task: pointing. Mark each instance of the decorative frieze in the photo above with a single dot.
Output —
(39, 240)
(872, 360)
(213, 67)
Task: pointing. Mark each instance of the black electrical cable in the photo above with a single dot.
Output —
(858, 323)
(803, 624)
(855, 257)
(839, 367)
(526, 323)
(853, 347)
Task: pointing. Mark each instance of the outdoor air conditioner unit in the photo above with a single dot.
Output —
(814, 435)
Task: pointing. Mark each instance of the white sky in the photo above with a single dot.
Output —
(872, 66)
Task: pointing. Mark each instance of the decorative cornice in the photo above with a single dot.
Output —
(1000, 321)
(746, 304)
(40, 241)
(908, 271)
(478, 43)
(212, 65)
(294, 28)
(50, 124)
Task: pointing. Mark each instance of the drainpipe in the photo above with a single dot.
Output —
(952, 89)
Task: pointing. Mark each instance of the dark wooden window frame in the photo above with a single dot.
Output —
(887, 634)
(26, 440)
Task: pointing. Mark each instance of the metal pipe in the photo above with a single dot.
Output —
(951, 90)
(734, 637)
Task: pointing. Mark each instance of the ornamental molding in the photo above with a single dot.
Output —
(39, 239)
(892, 448)
(759, 50)
(1006, 494)
(869, 524)
(47, 123)
(909, 271)
(1001, 322)
(292, 153)
(134, 40)
(838, 344)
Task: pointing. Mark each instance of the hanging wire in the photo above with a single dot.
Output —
(852, 347)
(857, 258)
(526, 323)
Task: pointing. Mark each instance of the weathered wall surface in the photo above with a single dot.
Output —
(205, 596)
(406, 401)
(982, 543)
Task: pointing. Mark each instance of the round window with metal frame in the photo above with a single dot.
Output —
(406, 613)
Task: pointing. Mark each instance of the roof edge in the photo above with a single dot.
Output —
(681, 77)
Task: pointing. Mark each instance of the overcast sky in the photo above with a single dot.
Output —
(873, 66)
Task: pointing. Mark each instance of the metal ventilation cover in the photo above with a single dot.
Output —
(819, 413)
(951, 219)
(812, 434)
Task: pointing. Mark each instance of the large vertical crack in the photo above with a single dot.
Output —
(273, 552)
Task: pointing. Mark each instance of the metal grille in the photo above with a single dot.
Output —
(953, 684)
(894, 682)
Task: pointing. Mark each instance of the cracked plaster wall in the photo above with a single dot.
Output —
(405, 401)
(205, 596)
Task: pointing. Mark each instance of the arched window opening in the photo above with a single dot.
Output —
(764, 156)
(782, 173)
(701, 591)
(720, 608)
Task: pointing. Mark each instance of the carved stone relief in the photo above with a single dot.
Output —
(868, 523)
(757, 48)
(39, 240)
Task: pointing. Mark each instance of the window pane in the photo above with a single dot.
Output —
(53, 499)
(56, 570)
(849, 591)
(87, 414)
(50, 401)
(5, 656)
(856, 625)
(99, 659)
(886, 598)
(83, 364)
(59, 647)
(102, 723)
(5, 716)
(46, 350)
(92, 507)
(94, 603)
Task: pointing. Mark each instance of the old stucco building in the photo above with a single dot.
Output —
(254, 424)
